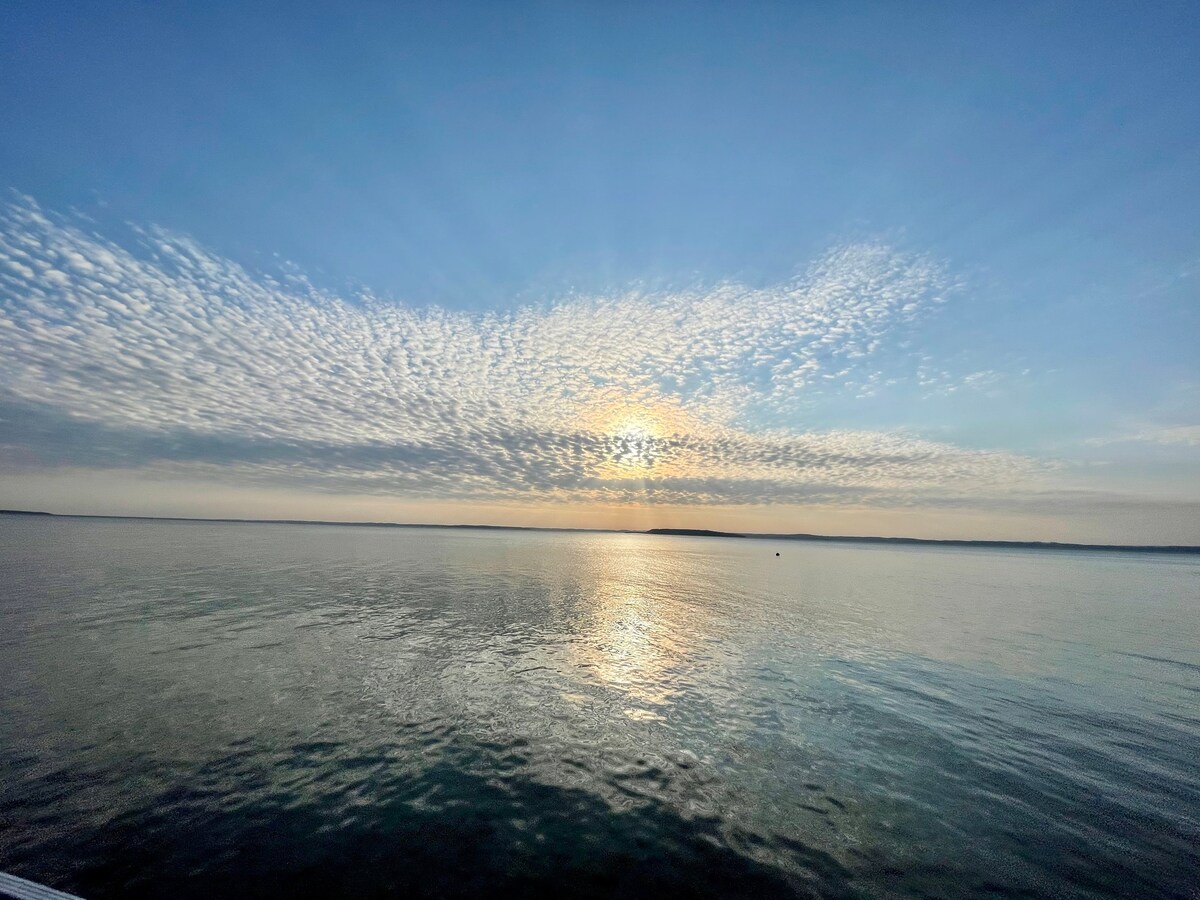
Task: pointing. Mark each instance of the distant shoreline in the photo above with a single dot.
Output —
(665, 532)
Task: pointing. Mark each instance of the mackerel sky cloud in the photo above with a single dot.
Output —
(162, 354)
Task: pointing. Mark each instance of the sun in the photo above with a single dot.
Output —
(635, 431)
(640, 439)
(635, 439)
(636, 428)
(631, 420)
(634, 446)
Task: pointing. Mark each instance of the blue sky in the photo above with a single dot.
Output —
(965, 234)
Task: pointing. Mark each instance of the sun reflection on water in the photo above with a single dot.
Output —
(641, 636)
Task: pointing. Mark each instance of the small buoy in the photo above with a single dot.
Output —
(776, 554)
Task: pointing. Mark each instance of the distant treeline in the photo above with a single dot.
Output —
(684, 532)
(1028, 545)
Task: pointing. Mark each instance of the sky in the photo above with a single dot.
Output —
(925, 270)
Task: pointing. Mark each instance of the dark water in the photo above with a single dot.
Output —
(193, 710)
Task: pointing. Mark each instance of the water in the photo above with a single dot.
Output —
(192, 709)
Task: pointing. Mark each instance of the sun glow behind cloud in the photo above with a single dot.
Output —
(161, 357)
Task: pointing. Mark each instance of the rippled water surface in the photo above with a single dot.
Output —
(191, 709)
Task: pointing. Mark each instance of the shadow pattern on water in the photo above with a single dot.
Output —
(470, 823)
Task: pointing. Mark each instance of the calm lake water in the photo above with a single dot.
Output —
(191, 709)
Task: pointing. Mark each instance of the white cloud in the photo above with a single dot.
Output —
(1175, 435)
(163, 354)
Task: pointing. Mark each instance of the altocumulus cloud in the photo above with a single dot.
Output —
(157, 354)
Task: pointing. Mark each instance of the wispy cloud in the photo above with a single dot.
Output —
(1174, 435)
(159, 353)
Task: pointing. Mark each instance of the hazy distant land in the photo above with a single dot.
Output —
(681, 532)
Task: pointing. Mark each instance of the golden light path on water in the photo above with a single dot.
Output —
(641, 640)
(623, 634)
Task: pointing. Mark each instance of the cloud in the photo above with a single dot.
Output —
(160, 354)
(1176, 435)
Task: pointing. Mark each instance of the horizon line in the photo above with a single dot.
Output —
(659, 532)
